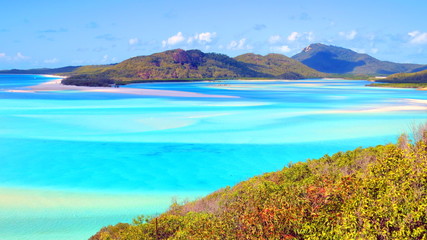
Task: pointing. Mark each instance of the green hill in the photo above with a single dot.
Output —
(374, 193)
(403, 80)
(279, 66)
(338, 60)
(191, 65)
(416, 77)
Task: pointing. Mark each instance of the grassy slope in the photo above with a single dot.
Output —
(373, 193)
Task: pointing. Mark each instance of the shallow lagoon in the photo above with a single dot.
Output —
(73, 162)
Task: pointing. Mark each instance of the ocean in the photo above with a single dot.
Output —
(73, 162)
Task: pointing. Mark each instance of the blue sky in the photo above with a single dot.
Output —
(48, 33)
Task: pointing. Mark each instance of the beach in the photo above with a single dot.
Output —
(55, 85)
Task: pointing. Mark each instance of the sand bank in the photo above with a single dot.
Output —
(382, 109)
(55, 85)
(14, 198)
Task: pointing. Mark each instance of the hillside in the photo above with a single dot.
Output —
(193, 64)
(416, 77)
(279, 66)
(373, 193)
(169, 65)
(338, 60)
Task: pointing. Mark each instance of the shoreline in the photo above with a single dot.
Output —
(51, 198)
(56, 85)
(53, 76)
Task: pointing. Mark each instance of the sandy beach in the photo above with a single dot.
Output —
(55, 85)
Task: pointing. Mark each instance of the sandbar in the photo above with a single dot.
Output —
(44, 199)
(55, 85)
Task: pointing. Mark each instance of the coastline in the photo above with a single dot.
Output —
(56, 85)
(64, 200)
(52, 214)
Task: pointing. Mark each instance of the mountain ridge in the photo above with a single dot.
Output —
(339, 60)
(40, 70)
(181, 64)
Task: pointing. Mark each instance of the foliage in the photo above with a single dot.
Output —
(84, 80)
(416, 77)
(399, 85)
(338, 60)
(374, 193)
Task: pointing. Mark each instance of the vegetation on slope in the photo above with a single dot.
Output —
(417, 77)
(373, 193)
(404, 80)
(338, 60)
(279, 66)
(399, 85)
(194, 64)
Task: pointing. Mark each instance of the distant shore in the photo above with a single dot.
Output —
(418, 86)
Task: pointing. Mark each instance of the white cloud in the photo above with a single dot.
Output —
(293, 36)
(274, 39)
(309, 36)
(207, 36)
(413, 34)
(20, 56)
(51, 61)
(239, 45)
(359, 50)
(107, 59)
(348, 35)
(418, 37)
(202, 38)
(17, 57)
(283, 48)
(173, 40)
(133, 41)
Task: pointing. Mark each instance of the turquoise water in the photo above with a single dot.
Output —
(94, 159)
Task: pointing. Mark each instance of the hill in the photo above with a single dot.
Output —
(179, 64)
(374, 193)
(41, 70)
(416, 77)
(403, 80)
(279, 66)
(338, 60)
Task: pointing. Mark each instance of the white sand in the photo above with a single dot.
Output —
(55, 85)
(29, 200)
(383, 109)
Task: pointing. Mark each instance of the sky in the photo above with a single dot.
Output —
(54, 33)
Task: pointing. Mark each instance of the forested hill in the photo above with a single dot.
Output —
(417, 77)
(373, 193)
(338, 60)
(179, 64)
(279, 66)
